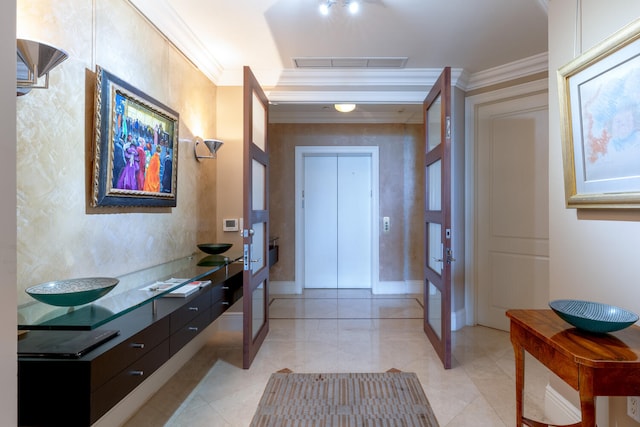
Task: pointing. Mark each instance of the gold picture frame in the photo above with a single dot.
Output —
(135, 147)
(600, 123)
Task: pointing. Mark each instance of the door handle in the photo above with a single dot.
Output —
(245, 256)
(450, 257)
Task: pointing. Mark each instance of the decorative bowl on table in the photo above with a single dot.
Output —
(593, 316)
(72, 292)
(214, 248)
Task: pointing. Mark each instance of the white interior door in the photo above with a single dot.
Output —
(354, 221)
(321, 221)
(338, 221)
(512, 208)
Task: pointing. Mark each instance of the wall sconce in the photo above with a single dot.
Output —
(34, 60)
(213, 145)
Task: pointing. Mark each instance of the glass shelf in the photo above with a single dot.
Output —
(126, 296)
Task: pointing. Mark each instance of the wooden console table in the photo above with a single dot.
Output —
(593, 364)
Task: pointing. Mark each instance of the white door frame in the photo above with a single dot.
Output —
(471, 104)
(300, 153)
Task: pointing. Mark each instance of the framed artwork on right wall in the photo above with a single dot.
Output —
(600, 121)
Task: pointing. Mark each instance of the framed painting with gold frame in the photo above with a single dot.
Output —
(600, 121)
(135, 147)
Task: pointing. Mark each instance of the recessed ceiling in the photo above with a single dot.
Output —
(390, 53)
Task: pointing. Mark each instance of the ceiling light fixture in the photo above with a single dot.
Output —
(324, 8)
(345, 108)
(352, 6)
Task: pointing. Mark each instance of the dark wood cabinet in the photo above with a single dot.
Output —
(78, 391)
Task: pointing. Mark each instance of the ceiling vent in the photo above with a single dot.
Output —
(351, 62)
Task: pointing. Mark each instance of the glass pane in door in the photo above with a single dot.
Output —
(259, 124)
(435, 247)
(258, 311)
(435, 309)
(434, 125)
(258, 186)
(434, 182)
(258, 246)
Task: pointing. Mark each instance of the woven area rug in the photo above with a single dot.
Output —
(389, 399)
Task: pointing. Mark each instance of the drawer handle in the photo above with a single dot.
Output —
(193, 328)
(193, 308)
(225, 302)
(225, 288)
(137, 345)
(137, 373)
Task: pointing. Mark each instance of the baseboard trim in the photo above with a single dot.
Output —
(458, 319)
(284, 287)
(558, 409)
(397, 287)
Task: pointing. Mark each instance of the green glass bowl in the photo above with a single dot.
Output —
(593, 316)
(72, 292)
(214, 248)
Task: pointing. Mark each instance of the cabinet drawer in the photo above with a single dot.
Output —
(185, 334)
(112, 362)
(218, 291)
(190, 310)
(118, 387)
(218, 308)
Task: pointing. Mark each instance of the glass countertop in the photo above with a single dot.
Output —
(126, 296)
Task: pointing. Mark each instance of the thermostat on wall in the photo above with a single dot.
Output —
(230, 224)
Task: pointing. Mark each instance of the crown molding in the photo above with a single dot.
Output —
(511, 71)
(391, 86)
(364, 77)
(408, 86)
(172, 27)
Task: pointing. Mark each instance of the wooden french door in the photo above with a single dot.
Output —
(437, 217)
(256, 218)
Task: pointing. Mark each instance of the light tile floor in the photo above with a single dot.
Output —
(348, 331)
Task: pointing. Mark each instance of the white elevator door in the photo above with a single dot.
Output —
(337, 221)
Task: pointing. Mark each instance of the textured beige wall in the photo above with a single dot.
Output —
(401, 253)
(229, 197)
(58, 235)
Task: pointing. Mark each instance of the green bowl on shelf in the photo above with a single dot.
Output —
(214, 248)
(72, 292)
(593, 316)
